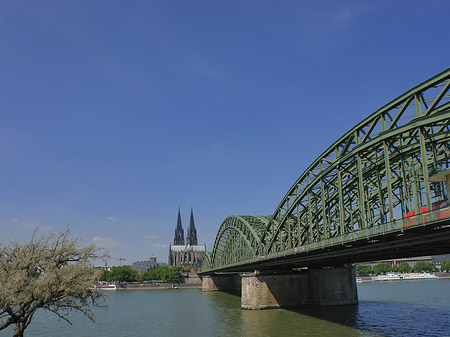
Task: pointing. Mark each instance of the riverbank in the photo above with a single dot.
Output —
(193, 281)
(144, 286)
(187, 281)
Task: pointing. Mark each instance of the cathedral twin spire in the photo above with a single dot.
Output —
(179, 233)
(191, 235)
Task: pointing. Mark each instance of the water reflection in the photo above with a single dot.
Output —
(331, 321)
(281, 322)
(345, 315)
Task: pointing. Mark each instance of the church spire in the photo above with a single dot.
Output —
(191, 238)
(179, 233)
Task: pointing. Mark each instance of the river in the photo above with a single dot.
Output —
(398, 308)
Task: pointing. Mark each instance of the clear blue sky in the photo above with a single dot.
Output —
(114, 113)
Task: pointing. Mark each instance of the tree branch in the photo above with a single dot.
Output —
(59, 315)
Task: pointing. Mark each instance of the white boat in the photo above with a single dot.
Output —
(104, 286)
(405, 276)
(418, 276)
(387, 277)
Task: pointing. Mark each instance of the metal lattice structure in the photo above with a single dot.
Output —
(376, 173)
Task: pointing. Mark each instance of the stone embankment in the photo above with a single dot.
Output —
(443, 275)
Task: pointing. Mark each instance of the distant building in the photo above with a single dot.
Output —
(410, 260)
(189, 252)
(438, 259)
(143, 266)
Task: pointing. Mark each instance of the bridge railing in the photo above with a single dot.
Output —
(399, 225)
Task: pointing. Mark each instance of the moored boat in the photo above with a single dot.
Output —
(404, 276)
(419, 276)
(387, 277)
(104, 286)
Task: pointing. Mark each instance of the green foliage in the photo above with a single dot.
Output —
(393, 269)
(120, 274)
(52, 273)
(381, 268)
(163, 273)
(422, 266)
(104, 275)
(404, 267)
(445, 266)
(187, 267)
(363, 269)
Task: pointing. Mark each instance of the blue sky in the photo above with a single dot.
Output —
(113, 114)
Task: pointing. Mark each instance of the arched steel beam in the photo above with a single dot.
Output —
(375, 129)
(378, 168)
(412, 149)
(246, 226)
(206, 261)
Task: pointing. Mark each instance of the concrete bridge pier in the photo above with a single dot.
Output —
(221, 282)
(317, 287)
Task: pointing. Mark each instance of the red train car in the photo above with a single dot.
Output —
(411, 219)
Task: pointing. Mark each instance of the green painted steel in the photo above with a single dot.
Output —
(374, 174)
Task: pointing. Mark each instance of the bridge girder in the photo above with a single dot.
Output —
(238, 239)
(377, 171)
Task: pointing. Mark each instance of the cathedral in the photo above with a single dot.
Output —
(189, 252)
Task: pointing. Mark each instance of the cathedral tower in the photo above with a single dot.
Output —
(191, 237)
(179, 233)
(181, 253)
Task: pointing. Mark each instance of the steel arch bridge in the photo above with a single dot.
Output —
(364, 191)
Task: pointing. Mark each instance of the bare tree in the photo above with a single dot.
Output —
(52, 273)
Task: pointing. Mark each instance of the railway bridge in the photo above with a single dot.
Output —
(380, 191)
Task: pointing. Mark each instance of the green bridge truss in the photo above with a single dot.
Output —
(376, 173)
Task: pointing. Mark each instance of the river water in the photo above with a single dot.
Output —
(399, 308)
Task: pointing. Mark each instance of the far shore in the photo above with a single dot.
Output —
(197, 285)
(161, 286)
(440, 275)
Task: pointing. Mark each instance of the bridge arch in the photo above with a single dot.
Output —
(238, 239)
(206, 261)
(376, 172)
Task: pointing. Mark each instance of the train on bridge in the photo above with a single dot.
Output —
(439, 211)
